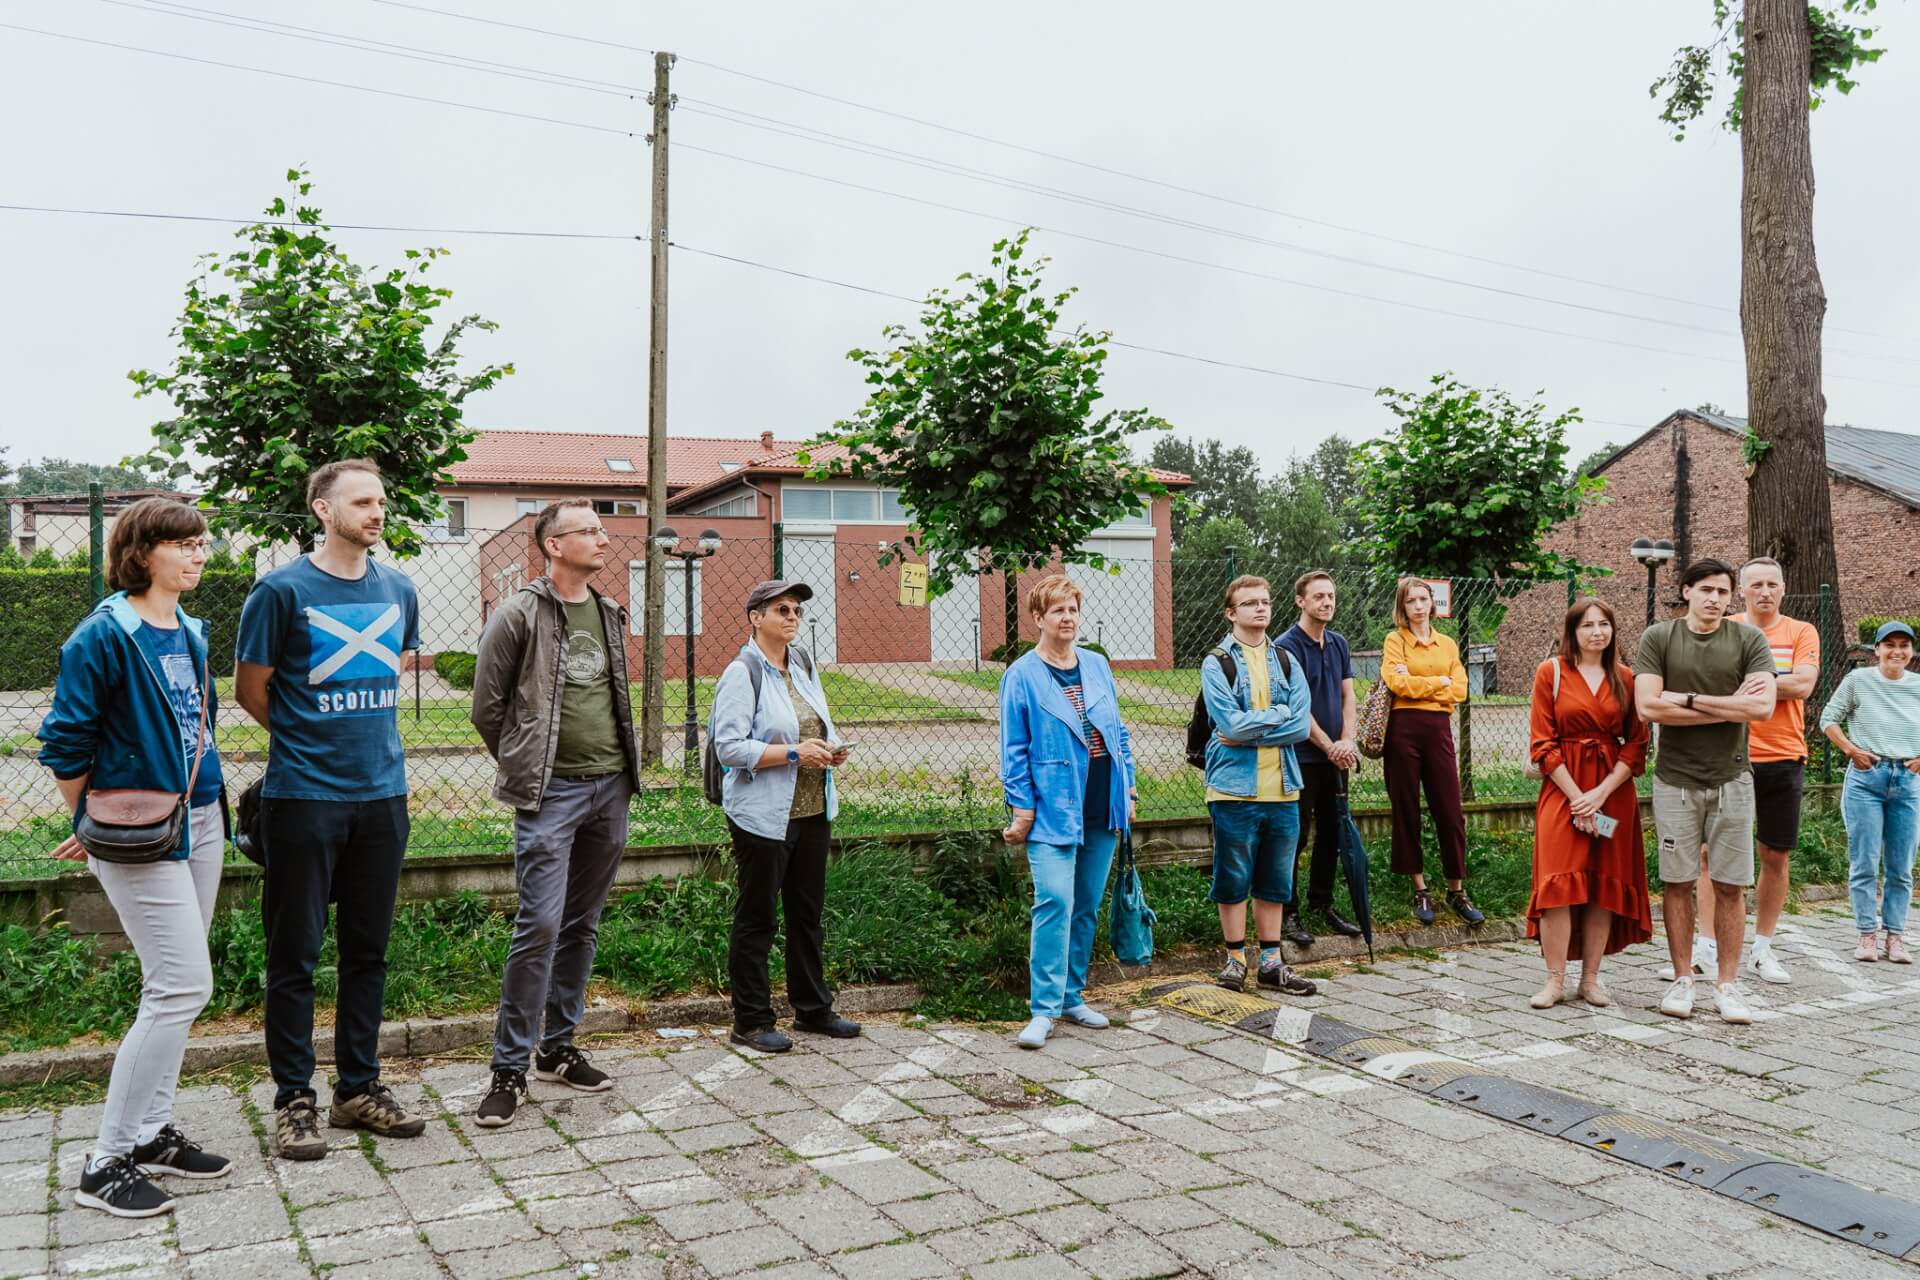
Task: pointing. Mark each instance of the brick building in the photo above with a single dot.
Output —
(1685, 480)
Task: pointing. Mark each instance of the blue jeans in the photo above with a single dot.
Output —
(1881, 806)
(1068, 883)
(1253, 845)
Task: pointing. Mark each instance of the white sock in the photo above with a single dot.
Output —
(1705, 946)
(1762, 945)
(96, 1162)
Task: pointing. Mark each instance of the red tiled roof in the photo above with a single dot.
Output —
(576, 457)
(783, 463)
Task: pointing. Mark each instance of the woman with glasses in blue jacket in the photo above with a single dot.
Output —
(1066, 765)
(126, 714)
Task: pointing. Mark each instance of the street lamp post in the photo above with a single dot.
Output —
(1652, 553)
(668, 541)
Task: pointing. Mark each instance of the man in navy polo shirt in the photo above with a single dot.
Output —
(1327, 754)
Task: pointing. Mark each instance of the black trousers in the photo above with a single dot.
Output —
(774, 873)
(1321, 786)
(320, 851)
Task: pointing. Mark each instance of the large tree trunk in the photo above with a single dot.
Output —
(1782, 305)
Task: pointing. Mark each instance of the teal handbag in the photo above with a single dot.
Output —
(1131, 927)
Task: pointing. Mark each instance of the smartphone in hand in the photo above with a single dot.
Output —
(1604, 827)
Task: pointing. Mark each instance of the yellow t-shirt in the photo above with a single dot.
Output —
(1271, 784)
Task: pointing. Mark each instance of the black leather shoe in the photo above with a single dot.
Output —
(1423, 906)
(765, 1039)
(832, 1025)
(1294, 930)
(1337, 923)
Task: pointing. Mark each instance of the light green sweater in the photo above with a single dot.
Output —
(1878, 714)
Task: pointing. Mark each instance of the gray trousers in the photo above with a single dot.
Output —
(565, 854)
(165, 908)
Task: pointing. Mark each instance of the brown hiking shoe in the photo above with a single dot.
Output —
(296, 1131)
(377, 1112)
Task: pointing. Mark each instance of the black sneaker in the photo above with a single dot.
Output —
(1461, 905)
(1293, 927)
(1337, 923)
(503, 1099)
(1280, 976)
(762, 1039)
(173, 1152)
(1423, 906)
(119, 1188)
(1234, 975)
(567, 1065)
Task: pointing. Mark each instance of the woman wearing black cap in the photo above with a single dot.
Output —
(773, 735)
(1874, 716)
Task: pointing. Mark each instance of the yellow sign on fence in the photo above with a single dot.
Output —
(913, 585)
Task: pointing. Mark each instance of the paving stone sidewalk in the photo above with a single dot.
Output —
(1168, 1147)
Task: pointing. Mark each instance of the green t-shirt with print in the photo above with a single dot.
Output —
(1702, 756)
(589, 732)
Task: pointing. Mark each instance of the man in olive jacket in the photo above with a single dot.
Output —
(550, 700)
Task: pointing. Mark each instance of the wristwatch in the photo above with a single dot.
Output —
(1690, 701)
(793, 756)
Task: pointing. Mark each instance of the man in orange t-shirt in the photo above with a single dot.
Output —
(1777, 748)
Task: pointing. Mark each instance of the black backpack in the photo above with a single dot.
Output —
(712, 772)
(1200, 725)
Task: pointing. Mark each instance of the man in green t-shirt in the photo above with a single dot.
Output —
(1703, 680)
(550, 701)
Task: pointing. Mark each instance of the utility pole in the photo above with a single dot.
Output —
(654, 620)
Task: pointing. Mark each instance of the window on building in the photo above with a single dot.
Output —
(619, 464)
(856, 504)
(890, 509)
(452, 524)
(806, 503)
(739, 505)
(529, 506)
(616, 507)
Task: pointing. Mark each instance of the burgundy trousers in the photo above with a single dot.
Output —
(1420, 754)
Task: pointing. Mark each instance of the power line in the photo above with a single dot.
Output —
(860, 146)
(323, 226)
(515, 26)
(1242, 271)
(413, 53)
(1269, 210)
(332, 84)
(1112, 342)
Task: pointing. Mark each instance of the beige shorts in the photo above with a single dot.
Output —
(1720, 817)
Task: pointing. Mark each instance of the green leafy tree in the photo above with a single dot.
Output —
(1780, 59)
(292, 356)
(1468, 486)
(984, 420)
(1586, 465)
(1331, 465)
(64, 476)
(1226, 482)
(6, 470)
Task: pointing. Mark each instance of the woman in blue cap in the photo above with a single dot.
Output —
(1874, 716)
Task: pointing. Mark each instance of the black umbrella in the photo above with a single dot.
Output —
(1353, 856)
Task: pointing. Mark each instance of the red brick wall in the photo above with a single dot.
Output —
(1876, 536)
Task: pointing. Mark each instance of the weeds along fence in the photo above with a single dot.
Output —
(913, 680)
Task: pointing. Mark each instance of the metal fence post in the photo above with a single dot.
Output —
(779, 548)
(97, 540)
(1821, 682)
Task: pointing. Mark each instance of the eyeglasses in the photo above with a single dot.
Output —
(189, 545)
(592, 530)
(788, 610)
(1254, 604)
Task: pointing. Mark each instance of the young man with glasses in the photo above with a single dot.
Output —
(319, 652)
(1258, 701)
(550, 701)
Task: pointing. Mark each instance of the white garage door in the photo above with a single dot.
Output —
(810, 558)
(1118, 614)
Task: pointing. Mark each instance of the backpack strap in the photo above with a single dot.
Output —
(1226, 665)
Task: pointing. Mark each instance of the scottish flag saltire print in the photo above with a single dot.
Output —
(354, 656)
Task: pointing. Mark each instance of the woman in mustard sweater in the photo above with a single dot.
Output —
(1422, 671)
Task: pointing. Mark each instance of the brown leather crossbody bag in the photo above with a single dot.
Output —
(130, 825)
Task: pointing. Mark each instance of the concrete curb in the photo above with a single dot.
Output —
(426, 1037)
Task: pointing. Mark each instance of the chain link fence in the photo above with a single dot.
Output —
(914, 681)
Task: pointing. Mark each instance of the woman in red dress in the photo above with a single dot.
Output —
(1588, 744)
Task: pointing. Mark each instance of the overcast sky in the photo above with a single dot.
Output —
(1519, 132)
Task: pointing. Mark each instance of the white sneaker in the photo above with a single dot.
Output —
(1678, 1002)
(1763, 966)
(1666, 970)
(1034, 1034)
(1732, 1006)
(1706, 954)
(1086, 1015)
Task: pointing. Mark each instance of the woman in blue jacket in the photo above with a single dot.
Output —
(126, 713)
(1067, 768)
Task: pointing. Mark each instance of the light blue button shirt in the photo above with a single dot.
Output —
(760, 799)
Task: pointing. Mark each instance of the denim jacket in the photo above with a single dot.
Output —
(756, 799)
(1044, 757)
(1288, 719)
(111, 717)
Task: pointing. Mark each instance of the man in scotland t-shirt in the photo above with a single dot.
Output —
(319, 652)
